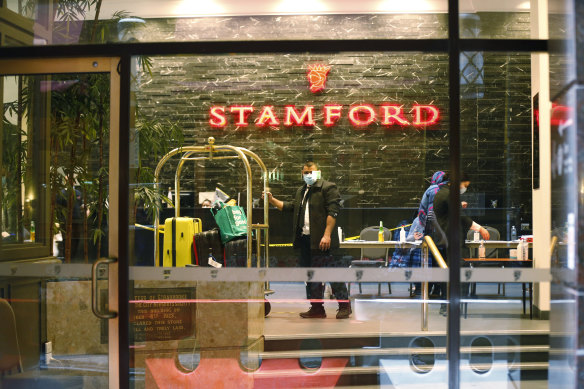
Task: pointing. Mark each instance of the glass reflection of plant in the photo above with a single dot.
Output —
(79, 167)
(14, 168)
(79, 152)
(79, 163)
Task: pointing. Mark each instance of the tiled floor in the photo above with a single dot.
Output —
(395, 314)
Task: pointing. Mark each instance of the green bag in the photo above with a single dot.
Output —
(231, 221)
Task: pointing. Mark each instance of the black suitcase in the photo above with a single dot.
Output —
(236, 252)
(205, 242)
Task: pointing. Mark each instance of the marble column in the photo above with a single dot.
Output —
(230, 320)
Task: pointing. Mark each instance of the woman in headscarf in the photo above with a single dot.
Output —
(406, 257)
(426, 205)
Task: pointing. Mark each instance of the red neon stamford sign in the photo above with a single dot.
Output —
(360, 116)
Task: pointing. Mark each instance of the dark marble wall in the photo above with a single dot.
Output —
(376, 166)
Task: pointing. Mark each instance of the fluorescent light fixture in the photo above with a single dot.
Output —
(198, 8)
(412, 6)
(301, 7)
(525, 6)
(131, 20)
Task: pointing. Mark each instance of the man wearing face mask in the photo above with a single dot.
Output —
(316, 206)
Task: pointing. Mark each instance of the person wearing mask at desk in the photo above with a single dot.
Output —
(316, 207)
(441, 203)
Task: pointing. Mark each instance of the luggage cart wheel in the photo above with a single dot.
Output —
(267, 308)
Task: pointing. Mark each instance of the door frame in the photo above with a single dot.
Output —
(111, 66)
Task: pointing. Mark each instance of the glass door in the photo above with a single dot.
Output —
(58, 198)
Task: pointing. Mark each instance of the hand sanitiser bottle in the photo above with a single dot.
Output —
(380, 237)
(520, 250)
(513, 233)
(482, 250)
(402, 235)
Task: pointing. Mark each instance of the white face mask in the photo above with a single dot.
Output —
(462, 189)
(312, 177)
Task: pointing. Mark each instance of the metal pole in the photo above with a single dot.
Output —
(453, 326)
(177, 182)
(425, 289)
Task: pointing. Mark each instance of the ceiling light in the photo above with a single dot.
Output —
(198, 8)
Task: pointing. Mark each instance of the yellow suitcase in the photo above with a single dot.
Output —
(178, 241)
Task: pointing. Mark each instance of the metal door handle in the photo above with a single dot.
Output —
(94, 292)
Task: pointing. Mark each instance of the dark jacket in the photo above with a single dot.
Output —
(441, 203)
(324, 201)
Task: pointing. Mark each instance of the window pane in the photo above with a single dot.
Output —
(495, 20)
(24, 168)
(62, 208)
(505, 289)
(375, 125)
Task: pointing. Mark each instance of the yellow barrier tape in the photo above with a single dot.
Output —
(160, 230)
(397, 228)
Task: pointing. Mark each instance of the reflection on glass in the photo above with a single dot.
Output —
(72, 23)
(19, 195)
(79, 164)
(504, 323)
(495, 20)
(50, 337)
(74, 212)
(374, 125)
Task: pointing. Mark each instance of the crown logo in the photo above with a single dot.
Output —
(317, 77)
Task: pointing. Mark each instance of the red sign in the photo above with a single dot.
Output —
(360, 116)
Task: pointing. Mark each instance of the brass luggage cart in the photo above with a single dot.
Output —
(222, 152)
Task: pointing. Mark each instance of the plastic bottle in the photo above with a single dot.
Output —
(211, 261)
(525, 254)
(482, 250)
(513, 233)
(476, 236)
(520, 250)
(32, 231)
(380, 237)
(402, 235)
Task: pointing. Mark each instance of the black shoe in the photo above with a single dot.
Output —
(314, 313)
(344, 311)
(443, 309)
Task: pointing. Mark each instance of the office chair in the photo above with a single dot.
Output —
(494, 235)
(373, 257)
